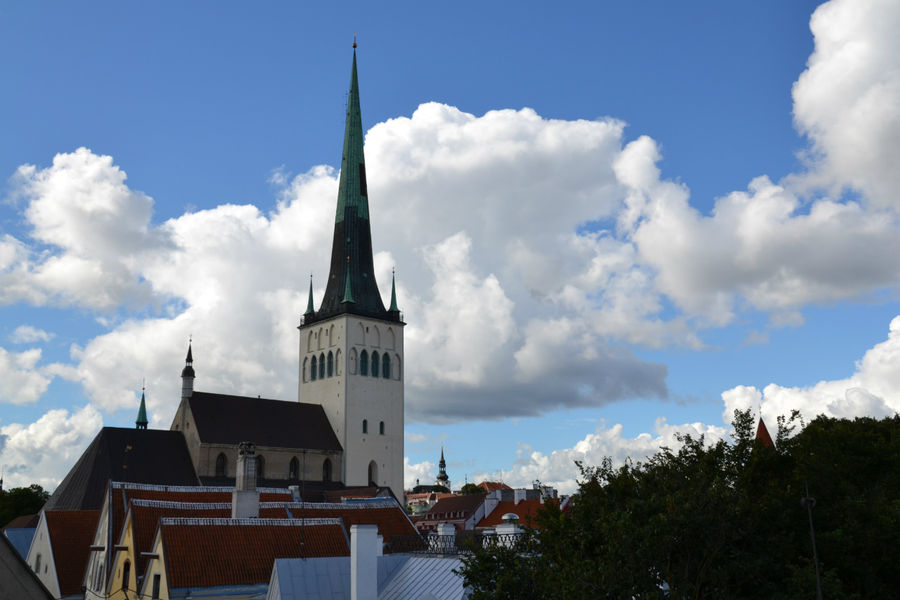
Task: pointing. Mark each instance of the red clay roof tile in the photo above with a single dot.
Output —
(71, 533)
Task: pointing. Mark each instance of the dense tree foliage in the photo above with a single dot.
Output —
(719, 521)
(21, 501)
(471, 488)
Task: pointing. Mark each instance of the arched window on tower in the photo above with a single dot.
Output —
(321, 366)
(397, 367)
(381, 428)
(305, 370)
(221, 465)
(363, 363)
(314, 368)
(386, 366)
(365, 426)
(373, 473)
(376, 364)
(294, 469)
(330, 369)
(326, 470)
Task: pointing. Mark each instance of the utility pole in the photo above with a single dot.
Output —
(809, 503)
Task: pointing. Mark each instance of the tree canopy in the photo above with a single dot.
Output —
(20, 501)
(721, 520)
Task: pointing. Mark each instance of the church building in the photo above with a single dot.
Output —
(347, 425)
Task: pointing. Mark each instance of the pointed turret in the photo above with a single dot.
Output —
(351, 286)
(310, 307)
(762, 434)
(187, 374)
(393, 308)
(141, 421)
(442, 478)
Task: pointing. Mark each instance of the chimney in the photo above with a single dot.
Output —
(295, 493)
(519, 495)
(245, 497)
(363, 562)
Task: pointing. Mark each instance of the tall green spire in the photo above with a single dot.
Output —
(393, 307)
(141, 421)
(310, 308)
(351, 287)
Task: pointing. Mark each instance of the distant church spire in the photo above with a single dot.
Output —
(393, 308)
(141, 421)
(187, 373)
(310, 308)
(351, 286)
(442, 478)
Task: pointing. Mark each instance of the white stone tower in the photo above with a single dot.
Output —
(351, 349)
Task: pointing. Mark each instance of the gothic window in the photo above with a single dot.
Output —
(309, 341)
(391, 339)
(319, 335)
(381, 428)
(376, 337)
(321, 366)
(326, 470)
(330, 369)
(363, 363)
(360, 334)
(314, 370)
(260, 467)
(126, 575)
(397, 373)
(352, 361)
(305, 370)
(365, 426)
(221, 465)
(294, 469)
(386, 366)
(375, 364)
(373, 473)
(337, 363)
(331, 336)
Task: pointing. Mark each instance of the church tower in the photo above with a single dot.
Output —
(351, 349)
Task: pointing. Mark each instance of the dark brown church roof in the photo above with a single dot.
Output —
(226, 419)
(151, 456)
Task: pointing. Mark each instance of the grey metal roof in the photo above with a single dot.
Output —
(400, 577)
(17, 581)
(227, 419)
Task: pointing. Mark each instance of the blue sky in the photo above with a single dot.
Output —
(610, 221)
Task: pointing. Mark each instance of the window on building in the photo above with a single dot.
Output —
(126, 575)
(365, 426)
(381, 428)
(37, 564)
(260, 467)
(363, 363)
(294, 469)
(386, 366)
(330, 370)
(156, 582)
(221, 465)
(373, 473)
(321, 366)
(376, 364)
(313, 371)
(326, 470)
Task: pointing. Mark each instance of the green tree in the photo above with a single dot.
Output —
(721, 520)
(471, 488)
(21, 501)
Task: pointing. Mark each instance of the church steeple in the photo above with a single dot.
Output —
(351, 286)
(187, 374)
(141, 421)
(442, 478)
(310, 307)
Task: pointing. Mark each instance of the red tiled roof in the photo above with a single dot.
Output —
(122, 494)
(71, 533)
(465, 504)
(525, 509)
(214, 552)
(147, 513)
(23, 522)
(490, 486)
(387, 515)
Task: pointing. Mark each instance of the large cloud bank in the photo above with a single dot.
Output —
(531, 255)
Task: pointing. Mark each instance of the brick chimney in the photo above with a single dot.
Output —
(245, 497)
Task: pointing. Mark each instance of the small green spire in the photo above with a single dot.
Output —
(141, 421)
(348, 292)
(310, 309)
(393, 307)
